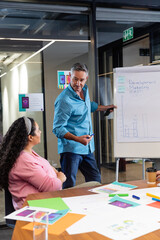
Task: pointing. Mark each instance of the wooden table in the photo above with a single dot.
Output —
(20, 234)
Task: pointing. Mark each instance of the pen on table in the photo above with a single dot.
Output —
(136, 197)
(153, 196)
(155, 199)
(119, 194)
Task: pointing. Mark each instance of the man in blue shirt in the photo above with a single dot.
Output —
(73, 127)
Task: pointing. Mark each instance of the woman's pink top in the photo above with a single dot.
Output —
(31, 174)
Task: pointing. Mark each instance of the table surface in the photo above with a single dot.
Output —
(18, 233)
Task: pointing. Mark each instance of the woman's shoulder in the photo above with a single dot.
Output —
(27, 157)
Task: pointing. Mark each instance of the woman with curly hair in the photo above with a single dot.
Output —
(22, 170)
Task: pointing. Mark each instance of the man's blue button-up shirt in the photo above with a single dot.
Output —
(72, 114)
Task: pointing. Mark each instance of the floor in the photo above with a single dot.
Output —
(133, 172)
(6, 233)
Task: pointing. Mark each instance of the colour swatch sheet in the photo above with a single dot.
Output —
(27, 214)
(113, 188)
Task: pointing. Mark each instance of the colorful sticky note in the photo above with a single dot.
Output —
(124, 184)
(52, 203)
(121, 202)
(154, 204)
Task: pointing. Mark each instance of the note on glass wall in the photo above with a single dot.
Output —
(138, 106)
(63, 78)
(31, 102)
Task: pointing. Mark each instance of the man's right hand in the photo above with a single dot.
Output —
(84, 139)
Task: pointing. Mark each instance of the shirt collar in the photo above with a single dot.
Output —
(75, 94)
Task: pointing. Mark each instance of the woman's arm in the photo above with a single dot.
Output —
(60, 175)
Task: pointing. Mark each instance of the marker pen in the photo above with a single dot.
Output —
(91, 135)
(153, 196)
(119, 194)
(155, 199)
(136, 197)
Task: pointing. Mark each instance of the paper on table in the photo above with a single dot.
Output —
(125, 201)
(130, 186)
(84, 225)
(51, 203)
(113, 188)
(109, 220)
(116, 225)
(127, 226)
(142, 194)
(87, 203)
(94, 219)
(154, 204)
(61, 225)
(26, 214)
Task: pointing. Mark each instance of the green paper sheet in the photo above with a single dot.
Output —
(51, 203)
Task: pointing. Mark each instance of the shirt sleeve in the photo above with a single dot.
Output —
(94, 106)
(62, 113)
(36, 175)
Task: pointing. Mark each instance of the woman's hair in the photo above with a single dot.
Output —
(13, 143)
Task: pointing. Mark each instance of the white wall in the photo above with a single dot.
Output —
(131, 55)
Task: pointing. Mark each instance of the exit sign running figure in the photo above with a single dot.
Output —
(127, 34)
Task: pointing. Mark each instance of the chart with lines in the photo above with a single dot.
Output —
(138, 106)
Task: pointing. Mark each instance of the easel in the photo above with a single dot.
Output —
(117, 168)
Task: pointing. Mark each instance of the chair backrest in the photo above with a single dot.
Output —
(9, 208)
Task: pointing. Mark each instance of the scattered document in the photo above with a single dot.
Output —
(119, 218)
(113, 188)
(85, 204)
(59, 226)
(27, 213)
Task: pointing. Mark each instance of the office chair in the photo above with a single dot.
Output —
(9, 208)
(88, 184)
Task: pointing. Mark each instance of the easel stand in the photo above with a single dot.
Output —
(117, 168)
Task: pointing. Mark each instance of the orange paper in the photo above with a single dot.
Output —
(154, 204)
(59, 226)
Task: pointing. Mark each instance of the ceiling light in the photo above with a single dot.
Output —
(40, 50)
(3, 74)
(45, 40)
(3, 56)
(10, 59)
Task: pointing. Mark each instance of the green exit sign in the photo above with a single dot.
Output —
(127, 34)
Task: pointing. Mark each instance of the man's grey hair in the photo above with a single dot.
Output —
(79, 67)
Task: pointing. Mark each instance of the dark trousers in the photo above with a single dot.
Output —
(71, 162)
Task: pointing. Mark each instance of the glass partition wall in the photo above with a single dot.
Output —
(124, 38)
(37, 41)
(33, 44)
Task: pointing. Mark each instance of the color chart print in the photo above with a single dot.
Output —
(25, 213)
(121, 204)
(40, 214)
(64, 79)
(107, 190)
(53, 217)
